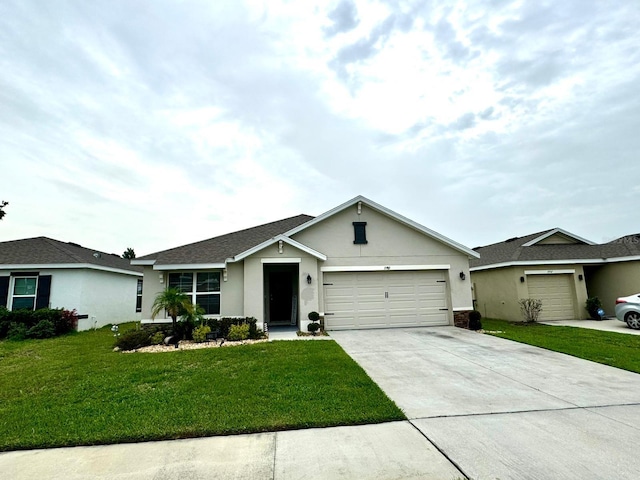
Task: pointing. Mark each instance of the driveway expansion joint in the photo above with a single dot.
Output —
(534, 410)
(442, 452)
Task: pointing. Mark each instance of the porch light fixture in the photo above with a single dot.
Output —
(309, 279)
(521, 279)
(161, 278)
(462, 276)
(580, 277)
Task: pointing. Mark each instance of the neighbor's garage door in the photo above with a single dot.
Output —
(556, 293)
(385, 299)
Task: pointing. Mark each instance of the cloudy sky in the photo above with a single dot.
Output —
(154, 124)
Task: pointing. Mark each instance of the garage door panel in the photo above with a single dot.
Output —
(556, 293)
(413, 298)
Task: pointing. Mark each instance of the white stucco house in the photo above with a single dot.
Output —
(45, 273)
(359, 265)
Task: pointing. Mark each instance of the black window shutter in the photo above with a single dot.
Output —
(4, 291)
(360, 233)
(44, 289)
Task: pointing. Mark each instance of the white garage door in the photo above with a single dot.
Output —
(556, 293)
(385, 299)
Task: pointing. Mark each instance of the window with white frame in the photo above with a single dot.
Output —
(24, 293)
(139, 296)
(203, 287)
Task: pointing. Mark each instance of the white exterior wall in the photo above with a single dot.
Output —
(106, 297)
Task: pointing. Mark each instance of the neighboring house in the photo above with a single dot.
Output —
(359, 265)
(41, 272)
(558, 267)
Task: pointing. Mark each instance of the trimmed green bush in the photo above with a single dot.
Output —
(43, 329)
(200, 333)
(17, 331)
(313, 327)
(133, 339)
(157, 338)
(238, 332)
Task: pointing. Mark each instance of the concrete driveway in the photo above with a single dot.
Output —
(500, 409)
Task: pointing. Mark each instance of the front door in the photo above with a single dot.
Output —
(281, 288)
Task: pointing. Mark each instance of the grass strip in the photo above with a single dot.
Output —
(615, 349)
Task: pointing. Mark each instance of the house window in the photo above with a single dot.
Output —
(202, 287)
(24, 293)
(360, 233)
(139, 296)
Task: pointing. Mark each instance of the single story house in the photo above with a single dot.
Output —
(359, 265)
(558, 267)
(45, 273)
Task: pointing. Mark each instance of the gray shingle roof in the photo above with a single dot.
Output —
(218, 249)
(46, 251)
(512, 250)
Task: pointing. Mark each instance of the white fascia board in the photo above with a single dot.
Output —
(281, 260)
(462, 309)
(285, 239)
(553, 232)
(379, 268)
(74, 266)
(389, 213)
(550, 272)
(142, 262)
(533, 263)
(190, 266)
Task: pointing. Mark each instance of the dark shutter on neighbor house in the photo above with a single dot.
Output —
(360, 233)
(44, 290)
(4, 291)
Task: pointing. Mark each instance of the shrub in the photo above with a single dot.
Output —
(530, 308)
(43, 329)
(313, 327)
(157, 338)
(200, 333)
(238, 332)
(133, 339)
(313, 316)
(184, 329)
(17, 331)
(593, 305)
(474, 320)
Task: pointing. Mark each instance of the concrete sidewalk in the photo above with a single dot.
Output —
(607, 325)
(394, 450)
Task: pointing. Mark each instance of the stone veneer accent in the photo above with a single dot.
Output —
(461, 319)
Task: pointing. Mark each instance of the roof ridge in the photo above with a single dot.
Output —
(56, 244)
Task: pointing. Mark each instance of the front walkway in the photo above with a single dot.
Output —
(607, 325)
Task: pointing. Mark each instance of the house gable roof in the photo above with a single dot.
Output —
(44, 252)
(214, 252)
(389, 213)
(531, 250)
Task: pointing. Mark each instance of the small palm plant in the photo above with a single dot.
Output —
(175, 302)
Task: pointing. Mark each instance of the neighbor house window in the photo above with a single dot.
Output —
(139, 296)
(203, 287)
(24, 293)
(360, 233)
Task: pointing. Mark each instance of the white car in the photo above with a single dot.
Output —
(628, 310)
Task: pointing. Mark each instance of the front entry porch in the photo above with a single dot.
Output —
(281, 294)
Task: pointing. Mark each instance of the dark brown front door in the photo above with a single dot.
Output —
(280, 296)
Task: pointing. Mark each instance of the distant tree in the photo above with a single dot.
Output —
(2, 205)
(129, 254)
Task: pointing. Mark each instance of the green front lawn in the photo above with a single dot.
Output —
(615, 349)
(74, 390)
